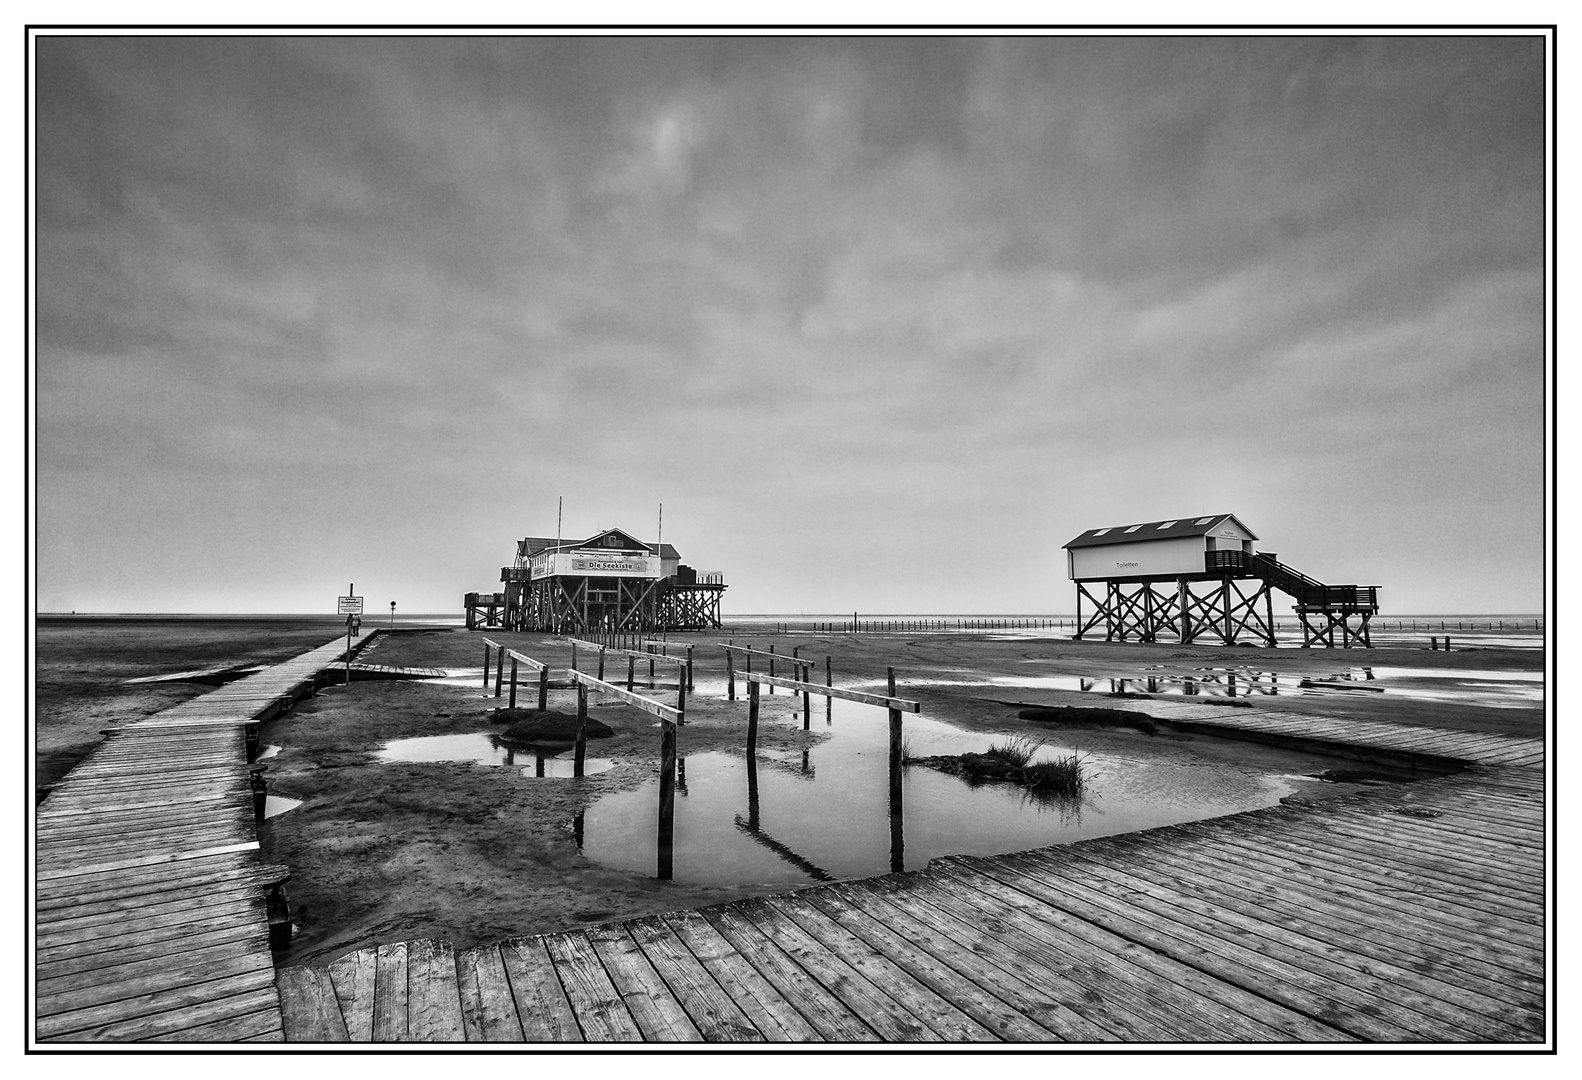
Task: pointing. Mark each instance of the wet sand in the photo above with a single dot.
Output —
(474, 853)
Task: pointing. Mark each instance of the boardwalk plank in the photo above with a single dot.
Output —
(390, 994)
(711, 1010)
(890, 1019)
(652, 1005)
(542, 1009)
(776, 1019)
(353, 976)
(487, 1011)
(433, 998)
(1295, 944)
(941, 1015)
(600, 1010)
(1362, 1015)
(828, 1015)
(985, 1007)
(309, 1010)
(150, 1013)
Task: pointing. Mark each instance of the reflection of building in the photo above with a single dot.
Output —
(1195, 577)
(609, 581)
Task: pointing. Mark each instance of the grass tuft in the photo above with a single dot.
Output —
(1015, 752)
(1060, 776)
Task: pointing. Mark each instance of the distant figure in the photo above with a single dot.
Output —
(357, 625)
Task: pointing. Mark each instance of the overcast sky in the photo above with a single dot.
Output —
(882, 323)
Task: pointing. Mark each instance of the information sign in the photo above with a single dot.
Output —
(349, 605)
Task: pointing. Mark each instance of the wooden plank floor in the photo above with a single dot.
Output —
(151, 921)
(1472, 747)
(1408, 913)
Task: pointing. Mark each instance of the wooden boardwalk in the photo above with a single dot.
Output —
(1319, 732)
(150, 897)
(1409, 913)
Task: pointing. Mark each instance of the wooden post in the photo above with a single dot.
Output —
(690, 688)
(631, 670)
(730, 677)
(543, 688)
(681, 700)
(752, 792)
(807, 701)
(771, 667)
(829, 702)
(582, 730)
(752, 718)
(512, 703)
(485, 665)
(601, 663)
(897, 835)
(651, 678)
(499, 671)
(667, 799)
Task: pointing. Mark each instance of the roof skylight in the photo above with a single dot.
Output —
(1202, 521)
(1134, 528)
(1167, 524)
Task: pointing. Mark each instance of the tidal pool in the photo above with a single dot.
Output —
(826, 813)
(484, 748)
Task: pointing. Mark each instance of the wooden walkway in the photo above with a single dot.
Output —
(1323, 732)
(1411, 913)
(150, 895)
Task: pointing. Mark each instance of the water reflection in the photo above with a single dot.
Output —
(842, 808)
(554, 761)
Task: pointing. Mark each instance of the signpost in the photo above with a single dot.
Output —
(351, 606)
(392, 614)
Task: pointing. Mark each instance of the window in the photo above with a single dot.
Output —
(1101, 532)
(1167, 524)
(1202, 521)
(1134, 528)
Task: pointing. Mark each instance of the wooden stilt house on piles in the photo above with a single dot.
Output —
(1187, 578)
(610, 581)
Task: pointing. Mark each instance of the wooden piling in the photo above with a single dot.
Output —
(543, 688)
(511, 704)
(499, 671)
(631, 671)
(730, 677)
(486, 663)
(667, 799)
(752, 718)
(897, 836)
(582, 730)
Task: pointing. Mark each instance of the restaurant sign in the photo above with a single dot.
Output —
(593, 564)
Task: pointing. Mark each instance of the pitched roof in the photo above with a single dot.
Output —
(529, 546)
(1168, 529)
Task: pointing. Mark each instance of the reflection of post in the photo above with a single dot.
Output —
(897, 840)
(752, 718)
(582, 730)
(667, 798)
(681, 774)
(576, 827)
(752, 790)
(538, 762)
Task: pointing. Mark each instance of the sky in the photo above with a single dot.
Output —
(882, 323)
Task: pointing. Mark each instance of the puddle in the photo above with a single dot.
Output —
(825, 813)
(275, 805)
(483, 748)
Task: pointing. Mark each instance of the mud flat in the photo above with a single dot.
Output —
(472, 852)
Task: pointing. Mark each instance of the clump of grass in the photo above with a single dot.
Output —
(1060, 776)
(1016, 752)
(908, 754)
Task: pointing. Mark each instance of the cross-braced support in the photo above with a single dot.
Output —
(1182, 610)
(1319, 626)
